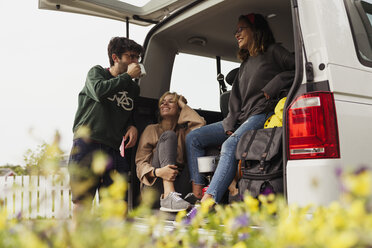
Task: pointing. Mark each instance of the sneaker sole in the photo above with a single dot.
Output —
(171, 210)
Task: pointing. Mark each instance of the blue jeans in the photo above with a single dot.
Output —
(214, 135)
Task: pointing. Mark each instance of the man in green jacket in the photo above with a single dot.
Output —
(103, 117)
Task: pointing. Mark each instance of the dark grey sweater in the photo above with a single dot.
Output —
(268, 72)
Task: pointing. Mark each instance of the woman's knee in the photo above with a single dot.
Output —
(230, 144)
(167, 135)
(192, 138)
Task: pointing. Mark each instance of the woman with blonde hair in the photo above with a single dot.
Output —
(161, 158)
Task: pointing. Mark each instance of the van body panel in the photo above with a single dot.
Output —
(351, 84)
(312, 181)
(326, 32)
(355, 132)
(328, 40)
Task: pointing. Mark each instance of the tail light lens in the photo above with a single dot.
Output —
(312, 130)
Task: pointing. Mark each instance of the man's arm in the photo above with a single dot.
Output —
(99, 88)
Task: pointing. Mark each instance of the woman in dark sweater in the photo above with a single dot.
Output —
(266, 69)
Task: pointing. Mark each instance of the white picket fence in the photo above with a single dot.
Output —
(32, 197)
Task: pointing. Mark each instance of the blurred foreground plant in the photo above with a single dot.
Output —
(264, 222)
(45, 159)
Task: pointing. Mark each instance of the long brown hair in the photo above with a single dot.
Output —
(262, 36)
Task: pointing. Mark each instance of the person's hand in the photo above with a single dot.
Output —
(182, 101)
(168, 172)
(134, 70)
(132, 135)
(266, 96)
(229, 133)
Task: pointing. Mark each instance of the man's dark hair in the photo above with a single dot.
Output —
(262, 35)
(120, 45)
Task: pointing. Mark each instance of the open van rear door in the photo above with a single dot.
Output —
(151, 13)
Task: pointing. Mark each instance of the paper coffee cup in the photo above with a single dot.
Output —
(207, 164)
(143, 71)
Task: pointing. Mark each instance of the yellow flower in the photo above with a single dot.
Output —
(263, 199)
(180, 215)
(271, 208)
(360, 184)
(206, 205)
(112, 209)
(357, 210)
(3, 217)
(240, 245)
(82, 132)
(251, 203)
(271, 197)
(342, 240)
(118, 188)
(99, 163)
(30, 240)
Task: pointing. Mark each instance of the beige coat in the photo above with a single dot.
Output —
(187, 121)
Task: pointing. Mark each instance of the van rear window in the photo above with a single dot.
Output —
(195, 77)
(360, 16)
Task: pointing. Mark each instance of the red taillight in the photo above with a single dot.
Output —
(312, 127)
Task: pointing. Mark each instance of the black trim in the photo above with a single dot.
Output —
(294, 4)
(295, 86)
(220, 76)
(127, 25)
(309, 70)
(253, 176)
(313, 86)
(138, 18)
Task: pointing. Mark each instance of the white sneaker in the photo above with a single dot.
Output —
(173, 203)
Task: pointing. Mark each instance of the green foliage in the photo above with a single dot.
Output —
(19, 170)
(33, 158)
(45, 159)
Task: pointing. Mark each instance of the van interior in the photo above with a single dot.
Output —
(206, 30)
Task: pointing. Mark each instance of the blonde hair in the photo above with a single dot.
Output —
(175, 97)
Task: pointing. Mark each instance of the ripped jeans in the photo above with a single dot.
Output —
(214, 135)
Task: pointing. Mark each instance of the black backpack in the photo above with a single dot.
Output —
(260, 161)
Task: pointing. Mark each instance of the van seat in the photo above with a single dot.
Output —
(224, 97)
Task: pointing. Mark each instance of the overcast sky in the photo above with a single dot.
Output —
(44, 58)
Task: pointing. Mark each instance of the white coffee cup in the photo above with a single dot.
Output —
(207, 164)
(143, 71)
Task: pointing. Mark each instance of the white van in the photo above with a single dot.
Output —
(328, 115)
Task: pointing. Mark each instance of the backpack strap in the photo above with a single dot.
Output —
(245, 153)
(264, 155)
